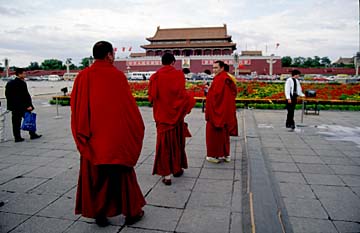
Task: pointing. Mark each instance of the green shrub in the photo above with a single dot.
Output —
(240, 105)
(64, 102)
(343, 97)
(144, 103)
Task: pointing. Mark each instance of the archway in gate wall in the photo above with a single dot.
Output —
(176, 52)
(159, 53)
(187, 52)
(150, 53)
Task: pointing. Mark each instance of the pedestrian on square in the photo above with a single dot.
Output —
(220, 115)
(18, 102)
(206, 90)
(292, 91)
(171, 103)
(108, 131)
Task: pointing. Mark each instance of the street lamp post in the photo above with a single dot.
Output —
(271, 61)
(128, 68)
(236, 63)
(357, 63)
(6, 64)
(68, 64)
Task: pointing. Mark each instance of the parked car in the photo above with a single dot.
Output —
(200, 77)
(54, 77)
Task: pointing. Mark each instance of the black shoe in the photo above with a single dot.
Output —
(102, 221)
(35, 136)
(131, 220)
(2, 203)
(180, 173)
(19, 139)
(166, 181)
(293, 127)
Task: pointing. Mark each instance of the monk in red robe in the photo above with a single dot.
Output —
(220, 115)
(108, 131)
(171, 103)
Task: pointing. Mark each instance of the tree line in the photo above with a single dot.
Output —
(54, 64)
(309, 62)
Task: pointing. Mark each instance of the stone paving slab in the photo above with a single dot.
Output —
(160, 218)
(43, 224)
(345, 209)
(62, 208)
(309, 225)
(296, 191)
(204, 220)
(343, 226)
(28, 204)
(10, 221)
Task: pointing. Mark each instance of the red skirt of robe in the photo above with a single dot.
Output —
(217, 141)
(170, 155)
(107, 190)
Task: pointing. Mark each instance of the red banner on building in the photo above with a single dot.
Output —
(144, 63)
(245, 62)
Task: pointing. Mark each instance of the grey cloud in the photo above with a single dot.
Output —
(7, 11)
(82, 26)
(334, 26)
(313, 40)
(28, 33)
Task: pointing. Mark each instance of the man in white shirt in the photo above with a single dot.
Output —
(292, 91)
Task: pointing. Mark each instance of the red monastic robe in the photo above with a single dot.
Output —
(220, 115)
(171, 103)
(108, 130)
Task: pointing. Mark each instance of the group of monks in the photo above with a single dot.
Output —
(108, 131)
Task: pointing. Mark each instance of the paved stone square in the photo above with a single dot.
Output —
(307, 180)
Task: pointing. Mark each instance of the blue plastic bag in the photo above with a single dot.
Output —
(29, 122)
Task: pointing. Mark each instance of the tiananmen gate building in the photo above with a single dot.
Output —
(197, 49)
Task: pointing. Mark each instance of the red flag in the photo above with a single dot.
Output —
(123, 49)
(115, 49)
(130, 48)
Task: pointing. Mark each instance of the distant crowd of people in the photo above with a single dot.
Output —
(109, 134)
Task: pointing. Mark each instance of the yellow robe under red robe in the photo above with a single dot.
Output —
(220, 115)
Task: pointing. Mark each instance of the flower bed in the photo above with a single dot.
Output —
(260, 94)
(262, 90)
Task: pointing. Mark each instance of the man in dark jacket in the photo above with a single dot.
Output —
(18, 102)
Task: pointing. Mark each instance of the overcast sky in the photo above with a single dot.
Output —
(35, 30)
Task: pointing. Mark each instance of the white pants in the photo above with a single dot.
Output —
(2, 124)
